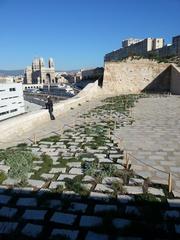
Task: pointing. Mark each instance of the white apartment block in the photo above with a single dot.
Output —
(11, 100)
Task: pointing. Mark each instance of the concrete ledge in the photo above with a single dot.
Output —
(26, 122)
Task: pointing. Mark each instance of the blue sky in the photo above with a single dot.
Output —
(78, 33)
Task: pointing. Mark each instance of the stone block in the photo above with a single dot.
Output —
(133, 189)
(87, 179)
(32, 230)
(69, 234)
(99, 208)
(27, 202)
(4, 199)
(78, 207)
(156, 191)
(125, 199)
(174, 203)
(177, 228)
(63, 218)
(93, 236)
(133, 211)
(103, 188)
(36, 183)
(37, 215)
(4, 168)
(47, 176)
(77, 171)
(100, 196)
(8, 212)
(172, 214)
(55, 184)
(110, 180)
(90, 221)
(63, 176)
(58, 170)
(120, 223)
(8, 227)
(74, 164)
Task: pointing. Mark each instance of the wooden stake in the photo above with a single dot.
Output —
(127, 161)
(115, 125)
(109, 133)
(119, 144)
(170, 183)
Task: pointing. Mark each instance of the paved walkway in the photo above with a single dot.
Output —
(154, 138)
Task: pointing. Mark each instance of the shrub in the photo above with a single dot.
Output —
(20, 163)
(117, 187)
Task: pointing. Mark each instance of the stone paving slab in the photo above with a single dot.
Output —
(120, 223)
(27, 202)
(64, 218)
(93, 236)
(69, 234)
(8, 227)
(4, 199)
(32, 230)
(90, 221)
(8, 212)
(34, 215)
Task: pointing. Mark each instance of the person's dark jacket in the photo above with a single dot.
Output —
(49, 105)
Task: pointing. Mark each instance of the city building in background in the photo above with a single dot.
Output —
(92, 74)
(11, 99)
(38, 73)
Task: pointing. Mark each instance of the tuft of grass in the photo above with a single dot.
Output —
(45, 167)
(76, 186)
(125, 175)
(2, 177)
(117, 186)
(20, 162)
(22, 145)
(54, 138)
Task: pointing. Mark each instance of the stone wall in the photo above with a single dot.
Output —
(175, 79)
(133, 76)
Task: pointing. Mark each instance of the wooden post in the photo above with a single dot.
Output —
(170, 182)
(130, 112)
(127, 161)
(119, 143)
(109, 133)
(115, 125)
(110, 116)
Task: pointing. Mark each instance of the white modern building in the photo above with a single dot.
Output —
(11, 100)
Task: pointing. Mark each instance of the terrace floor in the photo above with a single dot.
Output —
(78, 185)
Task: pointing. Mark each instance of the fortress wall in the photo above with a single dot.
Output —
(175, 80)
(133, 76)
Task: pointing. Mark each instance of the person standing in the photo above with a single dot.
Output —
(49, 106)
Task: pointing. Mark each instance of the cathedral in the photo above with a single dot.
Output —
(39, 74)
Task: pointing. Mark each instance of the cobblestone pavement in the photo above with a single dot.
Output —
(154, 138)
(79, 186)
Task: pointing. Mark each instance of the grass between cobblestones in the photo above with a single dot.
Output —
(87, 147)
